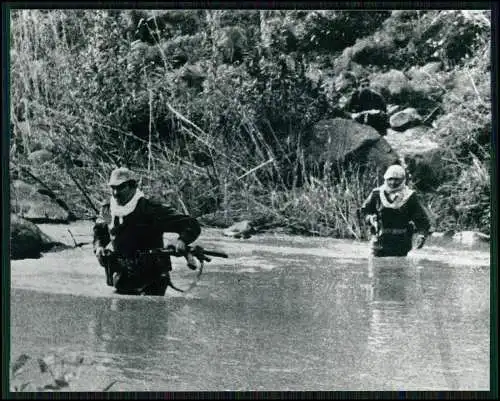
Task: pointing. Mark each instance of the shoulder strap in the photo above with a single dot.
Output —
(376, 195)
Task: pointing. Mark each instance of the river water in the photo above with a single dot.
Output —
(281, 313)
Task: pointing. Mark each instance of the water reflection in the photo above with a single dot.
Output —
(141, 340)
(119, 323)
(396, 354)
(393, 279)
(311, 322)
(414, 327)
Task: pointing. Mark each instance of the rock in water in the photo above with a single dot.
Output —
(36, 205)
(470, 237)
(27, 241)
(242, 229)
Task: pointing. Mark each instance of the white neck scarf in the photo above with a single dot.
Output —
(394, 197)
(123, 210)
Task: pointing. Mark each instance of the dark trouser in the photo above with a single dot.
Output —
(133, 277)
(391, 245)
(386, 253)
(125, 284)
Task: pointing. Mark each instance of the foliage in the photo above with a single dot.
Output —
(335, 30)
(214, 107)
(464, 132)
(449, 35)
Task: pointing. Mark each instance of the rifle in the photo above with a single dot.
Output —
(191, 251)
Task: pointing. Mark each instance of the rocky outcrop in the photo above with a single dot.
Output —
(27, 241)
(392, 84)
(339, 141)
(36, 204)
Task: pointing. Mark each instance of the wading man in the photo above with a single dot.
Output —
(130, 223)
(395, 214)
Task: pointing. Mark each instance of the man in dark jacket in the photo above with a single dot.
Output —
(368, 107)
(395, 213)
(130, 223)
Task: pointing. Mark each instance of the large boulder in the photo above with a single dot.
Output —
(35, 205)
(27, 241)
(339, 141)
(241, 229)
(414, 140)
(470, 238)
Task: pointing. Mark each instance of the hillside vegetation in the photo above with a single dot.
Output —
(215, 107)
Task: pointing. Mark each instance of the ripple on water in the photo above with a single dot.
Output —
(287, 328)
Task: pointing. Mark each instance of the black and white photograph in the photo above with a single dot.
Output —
(249, 200)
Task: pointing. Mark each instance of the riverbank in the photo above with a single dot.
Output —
(249, 134)
(263, 319)
(77, 271)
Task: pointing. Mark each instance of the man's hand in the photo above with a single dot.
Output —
(102, 253)
(191, 261)
(180, 247)
(372, 220)
(419, 243)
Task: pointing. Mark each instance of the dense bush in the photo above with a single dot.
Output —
(335, 30)
(214, 107)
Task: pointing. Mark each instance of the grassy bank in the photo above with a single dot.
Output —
(214, 117)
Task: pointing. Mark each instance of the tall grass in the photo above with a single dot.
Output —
(242, 175)
(84, 84)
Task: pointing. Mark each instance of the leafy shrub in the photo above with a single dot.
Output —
(336, 30)
(228, 97)
(449, 35)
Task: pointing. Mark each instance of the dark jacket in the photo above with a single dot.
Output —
(142, 230)
(396, 226)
